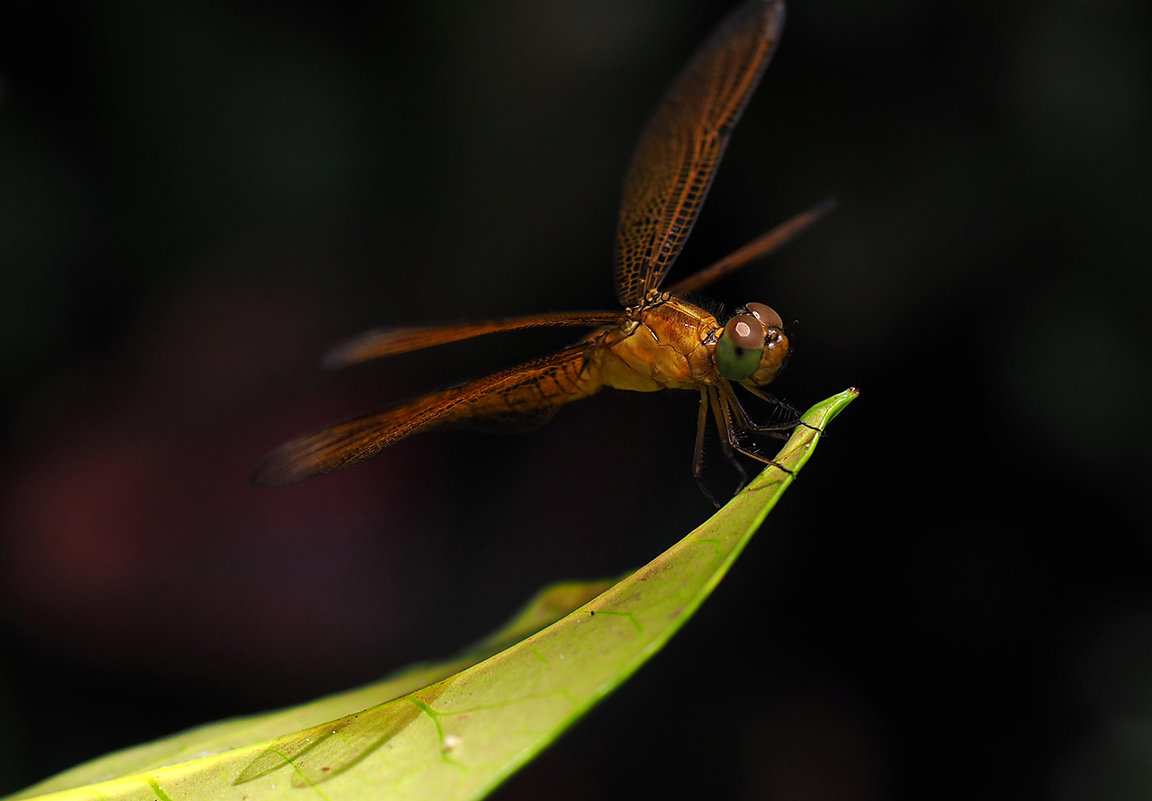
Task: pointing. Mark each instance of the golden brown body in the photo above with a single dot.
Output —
(668, 344)
(661, 341)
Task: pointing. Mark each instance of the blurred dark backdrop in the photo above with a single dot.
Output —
(197, 198)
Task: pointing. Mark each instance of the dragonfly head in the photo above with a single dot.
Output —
(752, 347)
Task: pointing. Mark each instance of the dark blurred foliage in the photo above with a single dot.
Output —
(196, 198)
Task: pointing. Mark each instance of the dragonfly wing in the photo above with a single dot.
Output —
(758, 248)
(518, 397)
(673, 166)
(383, 342)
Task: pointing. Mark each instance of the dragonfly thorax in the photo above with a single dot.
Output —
(665, 345)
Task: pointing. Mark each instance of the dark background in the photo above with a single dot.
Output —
(197, 198)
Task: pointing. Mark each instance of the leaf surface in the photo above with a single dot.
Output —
(456, 729)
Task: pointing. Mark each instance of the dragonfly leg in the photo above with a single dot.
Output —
(743, 424)
(735, 428)
(795, 418)
(728, 440)
(746, 425)
(698, 452)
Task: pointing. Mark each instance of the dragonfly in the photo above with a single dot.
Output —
(659, 340)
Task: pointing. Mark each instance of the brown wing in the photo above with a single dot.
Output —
(391, 341)
(527, 394)
(758, 248)
(673, 166)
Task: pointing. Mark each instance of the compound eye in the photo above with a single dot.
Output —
(765, 314)
(740, 347)
(745, 331)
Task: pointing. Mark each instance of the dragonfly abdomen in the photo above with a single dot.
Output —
(528, 400)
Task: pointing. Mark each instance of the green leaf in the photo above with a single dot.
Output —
(456, 729)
